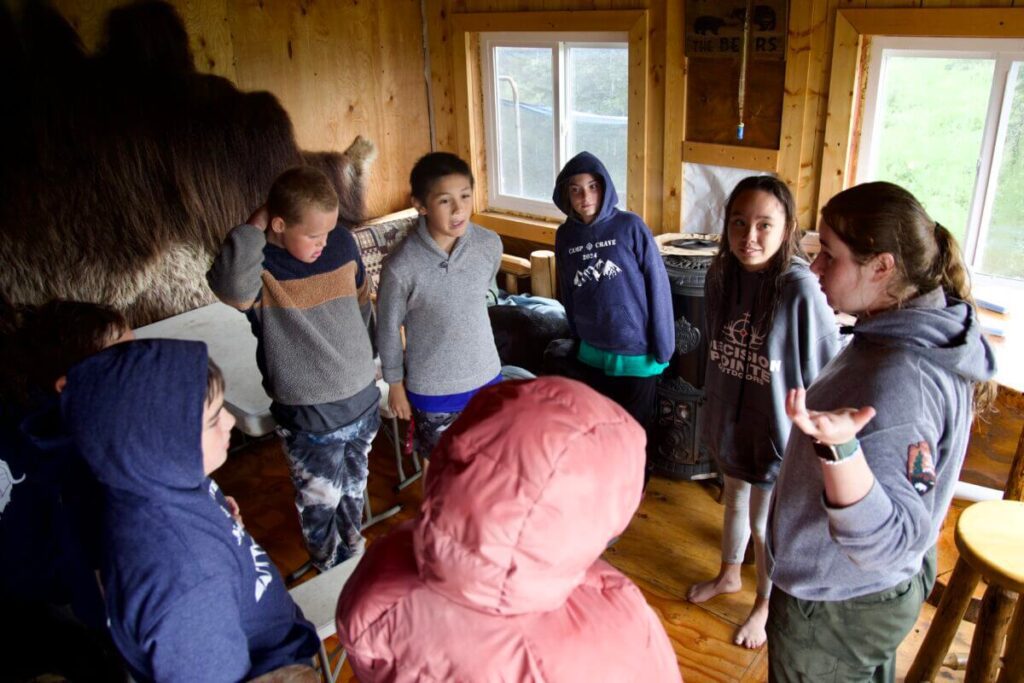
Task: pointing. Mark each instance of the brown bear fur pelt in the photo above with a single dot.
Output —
(120, 173)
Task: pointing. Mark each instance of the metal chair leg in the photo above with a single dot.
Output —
(396, 441)
(369, 519)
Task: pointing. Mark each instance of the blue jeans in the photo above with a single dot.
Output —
(329, 471)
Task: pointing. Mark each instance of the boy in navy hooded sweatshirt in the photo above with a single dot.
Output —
(613, 284)
(189, 594)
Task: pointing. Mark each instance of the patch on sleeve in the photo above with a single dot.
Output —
(921, 467)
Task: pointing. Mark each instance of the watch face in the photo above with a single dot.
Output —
(826, 452)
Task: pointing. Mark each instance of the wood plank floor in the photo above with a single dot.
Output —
(672, 542)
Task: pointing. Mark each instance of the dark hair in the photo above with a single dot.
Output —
(41, 343)
(432, 167)
(724, 270)
(296, 190)
(879, 218)
(214, 381)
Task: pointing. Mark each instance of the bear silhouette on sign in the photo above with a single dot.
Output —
(122, 171)
(763, 17)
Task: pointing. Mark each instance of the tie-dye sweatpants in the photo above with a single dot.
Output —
(329, 472)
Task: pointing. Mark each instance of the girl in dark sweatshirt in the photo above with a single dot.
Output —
(769, 329)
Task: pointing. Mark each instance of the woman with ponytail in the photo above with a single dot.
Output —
(862, 491)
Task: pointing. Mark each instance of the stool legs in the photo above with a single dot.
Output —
(950, 612)
(1013, 661)
(987, 644)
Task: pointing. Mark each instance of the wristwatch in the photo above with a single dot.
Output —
(833, 453)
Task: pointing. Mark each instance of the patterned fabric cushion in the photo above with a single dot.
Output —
(379, 237)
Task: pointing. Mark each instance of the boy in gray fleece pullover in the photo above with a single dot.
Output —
(435, 284)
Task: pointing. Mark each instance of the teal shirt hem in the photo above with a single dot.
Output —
(616, 365)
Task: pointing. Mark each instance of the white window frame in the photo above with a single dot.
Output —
(1004, 51)
(559, 43)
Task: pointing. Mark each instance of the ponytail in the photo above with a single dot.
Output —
(948, 268)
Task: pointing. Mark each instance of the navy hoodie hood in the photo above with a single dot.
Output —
(136, 412)
(189, 593)
(585, 162)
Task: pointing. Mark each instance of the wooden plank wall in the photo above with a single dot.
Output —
(340, 69)
(348, 68)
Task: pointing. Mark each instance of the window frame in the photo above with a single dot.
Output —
(559, 43)
(468, 102)
(1003, 52)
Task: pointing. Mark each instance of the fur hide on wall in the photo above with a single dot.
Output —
(121, 172)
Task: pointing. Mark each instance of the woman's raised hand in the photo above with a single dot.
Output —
(832, 427)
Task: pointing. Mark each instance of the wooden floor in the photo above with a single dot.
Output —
(672, 542)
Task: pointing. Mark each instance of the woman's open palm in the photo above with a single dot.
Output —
(828, 427)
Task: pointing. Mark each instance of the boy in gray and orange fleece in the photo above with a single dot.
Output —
(302, 284)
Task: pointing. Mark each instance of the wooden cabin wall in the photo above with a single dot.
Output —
(340, 69)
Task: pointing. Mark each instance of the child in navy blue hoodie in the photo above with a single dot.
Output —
(190, 595)
(613, 284)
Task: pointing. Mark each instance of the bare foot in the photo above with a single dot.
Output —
(727, 581)
(751, 634)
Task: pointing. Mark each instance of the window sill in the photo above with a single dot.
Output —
(533, 230)
(1004, 331)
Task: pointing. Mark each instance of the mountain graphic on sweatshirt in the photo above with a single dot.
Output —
(601, 269)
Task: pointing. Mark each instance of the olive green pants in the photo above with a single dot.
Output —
(845, 640)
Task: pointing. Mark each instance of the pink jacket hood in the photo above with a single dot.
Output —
(499, 578)
(526, 492)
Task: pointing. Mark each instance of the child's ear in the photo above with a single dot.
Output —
(61, 382)
(419, 206)
(277, 224)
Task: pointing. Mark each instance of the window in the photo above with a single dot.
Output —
(548, 96)
(944, 118)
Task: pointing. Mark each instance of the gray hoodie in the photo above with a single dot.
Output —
(744, 423)
(916, 365)
(442, 301)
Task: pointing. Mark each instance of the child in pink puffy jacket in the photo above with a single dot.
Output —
(498, 578)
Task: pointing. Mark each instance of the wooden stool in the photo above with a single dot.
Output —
(990, 539)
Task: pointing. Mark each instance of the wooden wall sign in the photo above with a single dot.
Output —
(714, 28)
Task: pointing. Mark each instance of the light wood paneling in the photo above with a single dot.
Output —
(796, 95)
(730, 155)
(340, 69)
(675, 118)
(842, 86)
